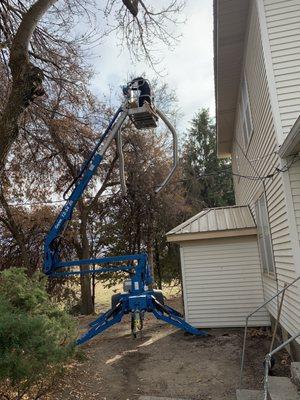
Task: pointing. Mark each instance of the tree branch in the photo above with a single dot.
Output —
(103, 186)
(27, 78)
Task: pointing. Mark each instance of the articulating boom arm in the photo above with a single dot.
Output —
(51, 246)
(138, 297)
(143, 115)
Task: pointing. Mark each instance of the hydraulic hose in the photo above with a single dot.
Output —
(163, 117)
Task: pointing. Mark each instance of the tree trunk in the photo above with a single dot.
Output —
(16, 232)
(26, 78)
(94, 289)
(132, 6)
(157, 264)
(150, 257)
(87, 306)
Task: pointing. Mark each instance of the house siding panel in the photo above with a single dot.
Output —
(294, 175)
(260, 159)
(283, 23)
(222, 282)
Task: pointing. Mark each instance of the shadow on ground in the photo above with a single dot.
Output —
(164, 362)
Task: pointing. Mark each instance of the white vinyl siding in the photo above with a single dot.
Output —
(222, 282)
(262, 149)
(283, 22)
(264, 238)
(294, 174)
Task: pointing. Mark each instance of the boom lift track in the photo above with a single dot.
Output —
(138, 297)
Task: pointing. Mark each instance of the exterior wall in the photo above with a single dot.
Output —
(222, 282)
(283, 24)
(259, 159)
(294, 176)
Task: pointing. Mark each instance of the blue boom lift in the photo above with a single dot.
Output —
(138, 296)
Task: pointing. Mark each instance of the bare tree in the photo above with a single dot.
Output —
(29, 48)
(143, 27)
(26, 77)
(35, 49)
(63, 145)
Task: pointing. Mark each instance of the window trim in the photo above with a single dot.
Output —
(264, 238)
(245, 107)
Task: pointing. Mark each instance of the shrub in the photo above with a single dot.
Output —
(36, 337)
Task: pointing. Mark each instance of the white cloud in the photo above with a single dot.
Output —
(189, 66)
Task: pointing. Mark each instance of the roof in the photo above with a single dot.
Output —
(230, 25)
(215, 222)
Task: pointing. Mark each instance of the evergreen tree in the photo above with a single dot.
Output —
(208, 179)
(36, 337)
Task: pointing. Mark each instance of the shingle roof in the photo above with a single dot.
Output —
(215, 220)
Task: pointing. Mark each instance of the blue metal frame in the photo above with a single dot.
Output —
(51, 245)
(143, 302)
(140, 298)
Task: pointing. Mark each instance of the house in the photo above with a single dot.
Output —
(220, 268)
(257, 85)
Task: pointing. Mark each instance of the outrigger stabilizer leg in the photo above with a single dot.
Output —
(173, 317)
(106, 320)
(138, 304)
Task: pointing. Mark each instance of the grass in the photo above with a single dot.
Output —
(103, 294)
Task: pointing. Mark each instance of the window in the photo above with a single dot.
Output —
(264, 235)
(246, 113)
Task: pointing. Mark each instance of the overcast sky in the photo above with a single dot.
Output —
(189, 67)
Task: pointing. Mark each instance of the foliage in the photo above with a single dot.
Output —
(46, 159)
(36, 337)
(44, 139)
(208, 179)
(39, 43)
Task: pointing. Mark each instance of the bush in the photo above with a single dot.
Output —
(36, 337)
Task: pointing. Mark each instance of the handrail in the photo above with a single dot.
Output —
(247, 320)
(268, 358)
(277, 319)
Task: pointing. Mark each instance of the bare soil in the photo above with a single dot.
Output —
(166, 362)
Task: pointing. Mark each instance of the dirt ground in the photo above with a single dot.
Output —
(165, 362)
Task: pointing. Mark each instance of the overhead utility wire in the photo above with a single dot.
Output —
(39, 203)
(250, 177)
(276, 172)
(263, 181)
